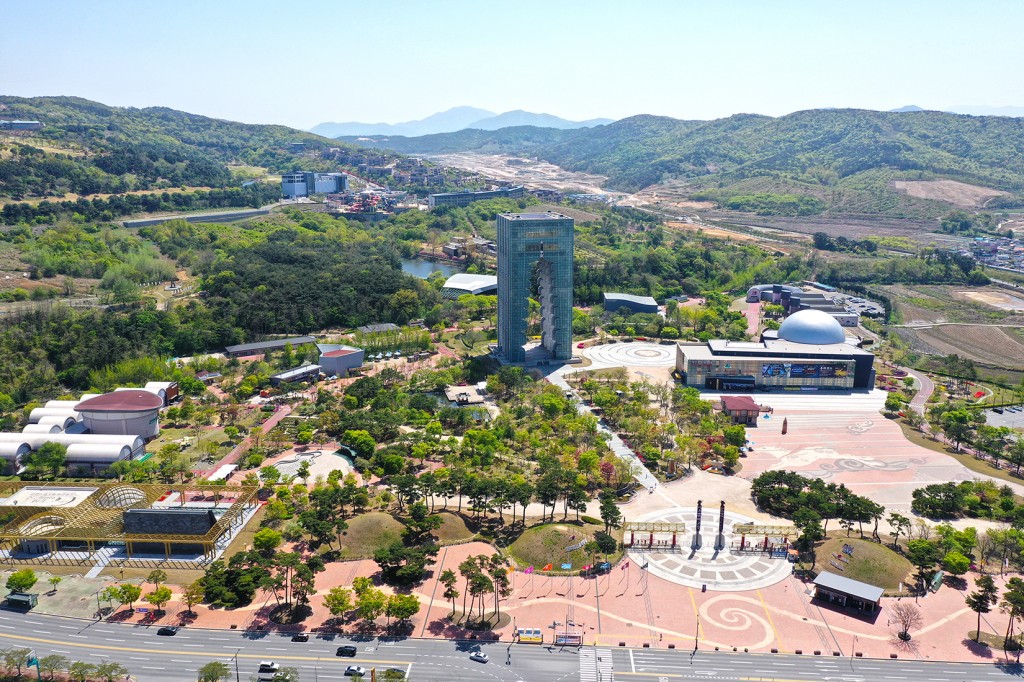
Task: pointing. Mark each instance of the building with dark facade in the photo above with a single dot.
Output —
(634, 304)
(809, 352)
(467, 198)
(543, 241)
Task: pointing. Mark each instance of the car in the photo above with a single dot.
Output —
(167, 631)
(268, 667)
(479, 657)
(300, 637)
(349, 651)
(580, 345)
(355, 670)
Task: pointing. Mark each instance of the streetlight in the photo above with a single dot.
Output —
(316, 671)
(237, 678)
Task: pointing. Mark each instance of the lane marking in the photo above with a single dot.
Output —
(164, 652)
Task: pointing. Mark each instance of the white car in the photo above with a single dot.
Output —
(355, 670)
(478, 656)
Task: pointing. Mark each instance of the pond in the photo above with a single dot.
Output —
(422, 268)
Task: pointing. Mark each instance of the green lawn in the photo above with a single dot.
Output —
(546, 544)
(871, 562)
(453, 528)
(369, 532)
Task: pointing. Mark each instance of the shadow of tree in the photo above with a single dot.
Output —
(979, 649)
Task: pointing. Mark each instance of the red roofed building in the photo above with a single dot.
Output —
(127, 412)
(741, 409)
(337, 359)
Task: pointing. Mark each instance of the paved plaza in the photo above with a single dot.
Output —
(635, 354)
(720, 566)
(843, 440)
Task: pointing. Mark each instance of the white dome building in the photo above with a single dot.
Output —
(811, 327)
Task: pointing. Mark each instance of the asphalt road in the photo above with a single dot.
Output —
(152, 658)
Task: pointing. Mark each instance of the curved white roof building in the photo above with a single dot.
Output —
(812, 327)
(465, 283)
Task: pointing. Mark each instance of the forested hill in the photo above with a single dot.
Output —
(88, 148)
(818, 152)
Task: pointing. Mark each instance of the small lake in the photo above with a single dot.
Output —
(422, 268)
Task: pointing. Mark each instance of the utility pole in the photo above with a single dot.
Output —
(237, 678)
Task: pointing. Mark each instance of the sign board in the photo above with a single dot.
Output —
(578, 545)
(530, 635)
(568, 638)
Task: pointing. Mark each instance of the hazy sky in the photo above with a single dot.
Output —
(301, 63)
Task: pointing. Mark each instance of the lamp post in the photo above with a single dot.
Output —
(237, 678)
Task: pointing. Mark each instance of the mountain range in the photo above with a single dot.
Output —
(453, 120)
(847, 159)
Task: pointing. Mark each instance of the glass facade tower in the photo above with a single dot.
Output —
(544, 239)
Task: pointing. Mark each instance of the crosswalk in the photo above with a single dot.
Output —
(596, 665)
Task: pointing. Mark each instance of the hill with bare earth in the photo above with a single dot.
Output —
(913, 164)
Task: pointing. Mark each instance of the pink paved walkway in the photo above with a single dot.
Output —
(753, 318)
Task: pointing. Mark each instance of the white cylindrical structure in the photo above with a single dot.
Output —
(36, 440)
(13, 450)
(97, 453)
(62, 422)
(42, 428)
(38, 413)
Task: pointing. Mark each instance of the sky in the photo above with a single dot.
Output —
(302, 63)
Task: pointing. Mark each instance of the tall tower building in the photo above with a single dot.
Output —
(544, 240)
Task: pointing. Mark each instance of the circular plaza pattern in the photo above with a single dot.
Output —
(725, 570)
(636, 354)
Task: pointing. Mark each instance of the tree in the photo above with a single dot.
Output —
(958, 426)
(21, 581)
(192, 594)
(907, 616)
(1012, 604)
(159, 597)
(361, 442)
(402, 606)
(900, 525)
(111, 671)
(371, 603)
(53, 664)
(610, 512)
(893, 403)
(922, 554)
(129, 594)
(14, 658)
(270, 475)
(266, 541)
(303, 470)
(338, 601)
(214, 671)
(48, 457)
(156, 577)
(448, 579)
(81, 671)
(955, 563)
(54, 580)
(808, 522)
(983, 599)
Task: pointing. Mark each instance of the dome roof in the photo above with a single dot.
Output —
(812, 327)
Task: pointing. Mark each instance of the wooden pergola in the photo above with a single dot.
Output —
(98, 519)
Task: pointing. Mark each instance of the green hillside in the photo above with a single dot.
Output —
(90, 148)
(844, 159)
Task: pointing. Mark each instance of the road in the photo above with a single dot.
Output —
(152, 658)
